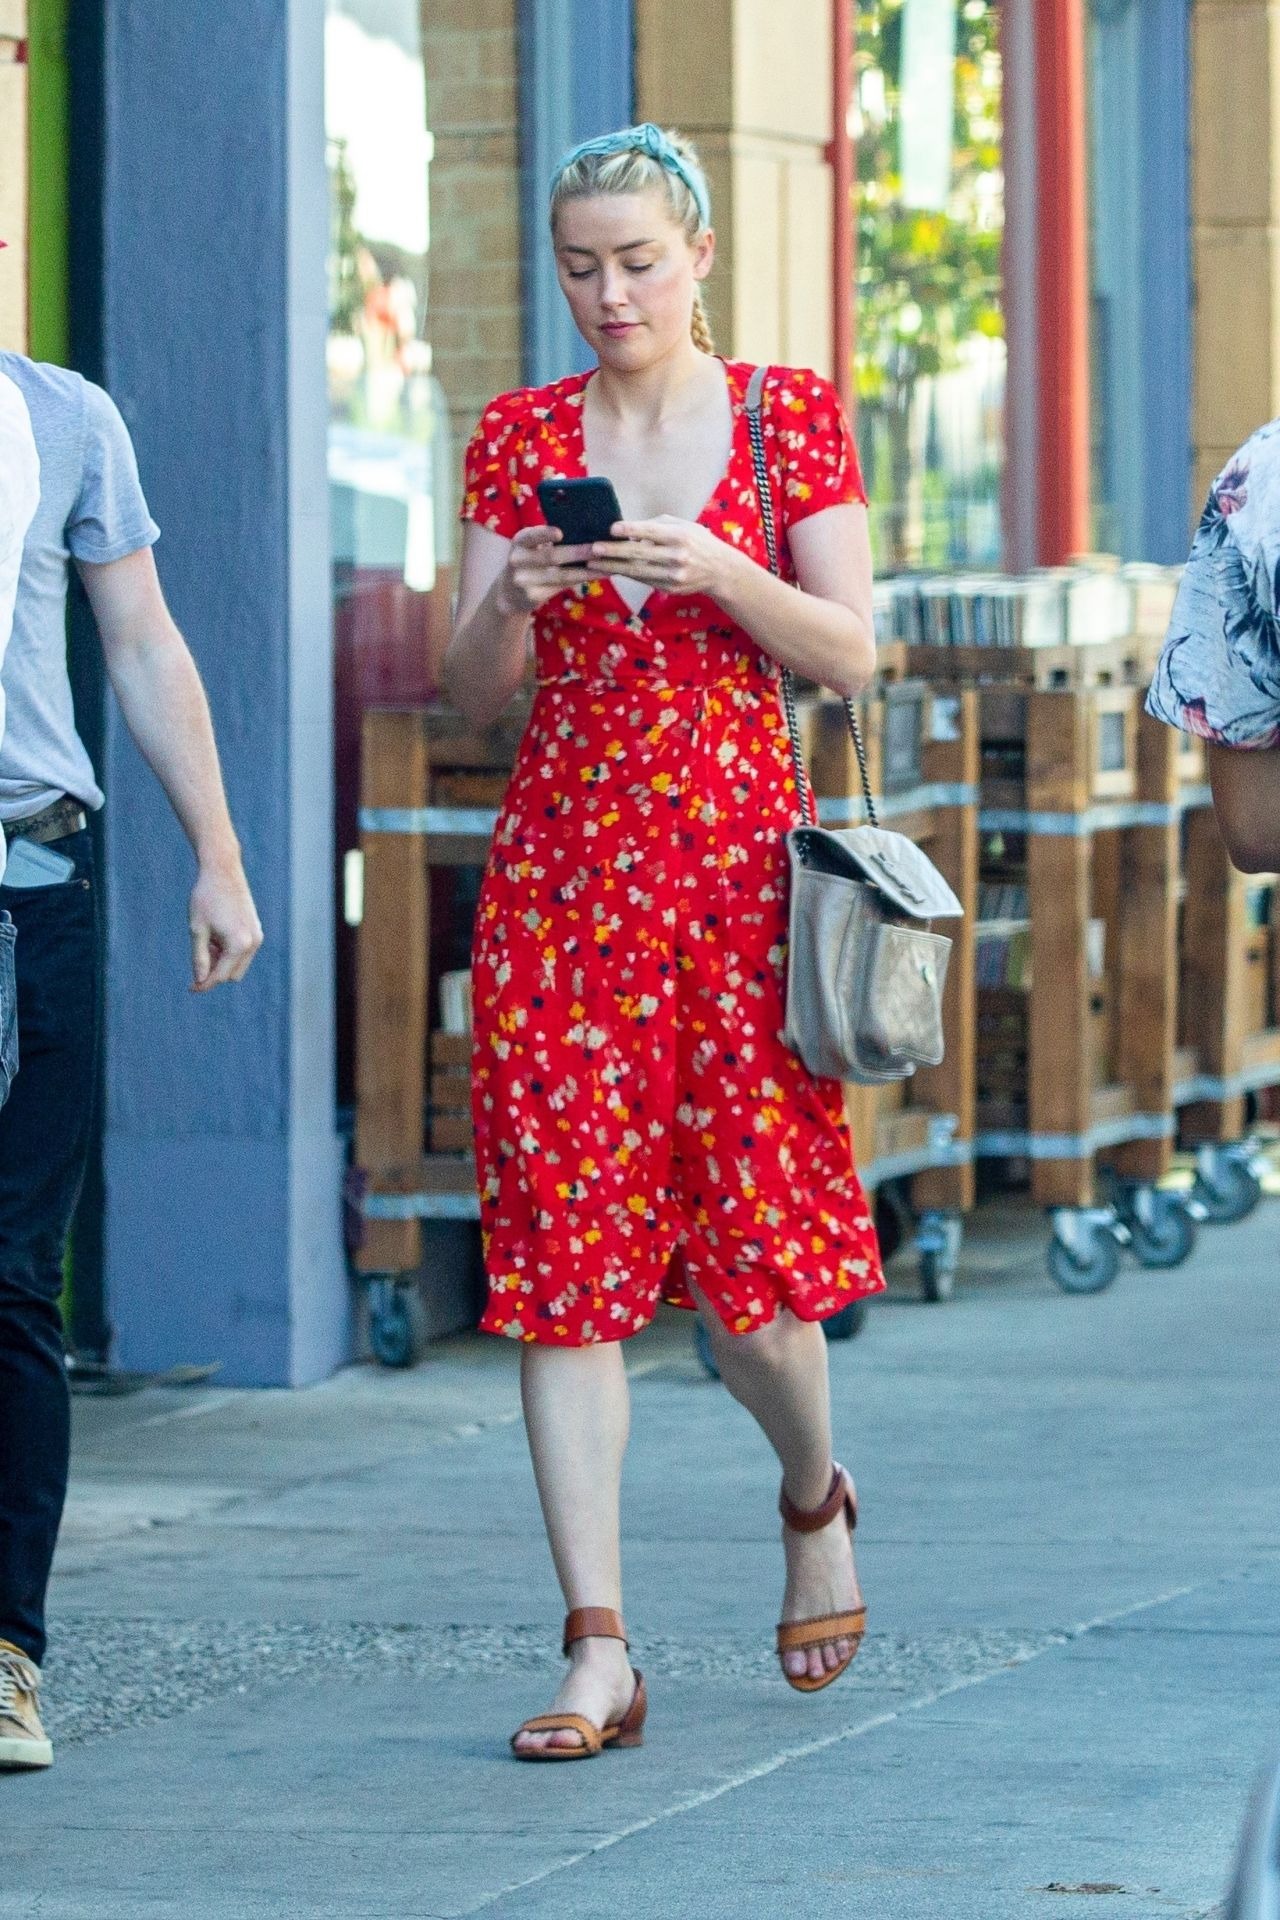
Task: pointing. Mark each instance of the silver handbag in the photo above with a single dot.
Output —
(865, 973)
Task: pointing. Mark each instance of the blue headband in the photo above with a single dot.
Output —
(653, 141)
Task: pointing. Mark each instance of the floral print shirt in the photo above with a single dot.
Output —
(1219, 674)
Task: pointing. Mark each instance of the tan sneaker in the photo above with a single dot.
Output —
(23, 1741)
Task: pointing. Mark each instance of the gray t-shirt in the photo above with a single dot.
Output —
(91, 508)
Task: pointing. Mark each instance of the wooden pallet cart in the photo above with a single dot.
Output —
(914, 1139)
(1080, 821)
(430, 790)
(1228, 1041)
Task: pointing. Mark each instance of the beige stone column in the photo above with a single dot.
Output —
(473, 300)
(1235, 212)
(13, 176)
(750, 81)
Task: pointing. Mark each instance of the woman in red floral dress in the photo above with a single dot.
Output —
(642, 1134)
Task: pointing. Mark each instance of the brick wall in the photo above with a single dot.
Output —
(474, 293)
(13, 176)
(750, 81)
(1235, 213)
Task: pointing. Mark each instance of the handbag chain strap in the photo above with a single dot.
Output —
(765, 491)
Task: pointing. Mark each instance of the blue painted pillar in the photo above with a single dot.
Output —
(1117, 275)
(222, 1164)
(1168, 507)
(1142, 274)
(588, 44)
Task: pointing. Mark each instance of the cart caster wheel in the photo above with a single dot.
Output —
(1161, 1229)
(938, 1244)
(848, 1323)
(937, 1277)
(1227, 1187)
(396, 1329)
(1084, 1253)
(892, 1218)
(702, 1347)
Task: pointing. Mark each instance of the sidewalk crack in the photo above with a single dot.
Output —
(690, 1803)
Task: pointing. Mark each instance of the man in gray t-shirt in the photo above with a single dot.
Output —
(91, 512)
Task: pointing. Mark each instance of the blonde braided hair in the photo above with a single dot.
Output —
(700, 326)
(636, 171)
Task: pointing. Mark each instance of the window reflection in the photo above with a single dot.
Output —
(388, 453)
(930, 354)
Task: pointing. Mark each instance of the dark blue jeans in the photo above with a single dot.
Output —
(44, 1143)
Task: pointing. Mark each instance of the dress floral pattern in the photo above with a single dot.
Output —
(638, 1121)
(1219, 673)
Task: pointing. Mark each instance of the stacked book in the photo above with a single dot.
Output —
(1092, 603)
(1003, 935)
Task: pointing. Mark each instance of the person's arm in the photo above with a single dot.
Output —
(825, 632)
(164, 704)
(501, 584)
(1246, 805)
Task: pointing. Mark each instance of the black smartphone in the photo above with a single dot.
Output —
(584, 510)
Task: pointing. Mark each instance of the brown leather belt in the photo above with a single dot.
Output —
(54, 822)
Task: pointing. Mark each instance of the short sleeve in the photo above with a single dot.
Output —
(820, 458)
(489, 483)
(1218, 675)
(110, 518)
(19, 471)
(19, 497)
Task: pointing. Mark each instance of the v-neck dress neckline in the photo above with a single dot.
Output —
(588, 635)
(712, 503)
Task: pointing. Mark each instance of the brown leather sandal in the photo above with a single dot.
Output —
(589, 1623)
(799, 1636)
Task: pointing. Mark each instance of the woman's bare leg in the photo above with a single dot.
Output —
(577, 1414)
(779, 1374)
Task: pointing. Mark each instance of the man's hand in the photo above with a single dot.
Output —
(225, 929)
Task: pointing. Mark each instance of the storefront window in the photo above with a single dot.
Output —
(390, 481)
(930, 351)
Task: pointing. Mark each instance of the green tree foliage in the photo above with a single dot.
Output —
(927, 281)
(346, 293)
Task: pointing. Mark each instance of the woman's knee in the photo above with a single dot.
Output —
(776, 1346)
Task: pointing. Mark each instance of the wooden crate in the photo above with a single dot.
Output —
(1229, 987)
(413, 1132)
(1110, 663)
(1082, 787)
(451, 1129)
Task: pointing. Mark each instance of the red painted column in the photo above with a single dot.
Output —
(1062, 281)
(1020, 479)
(840, 159)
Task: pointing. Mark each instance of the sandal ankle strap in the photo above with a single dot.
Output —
(813, 1520)
(594, 1623)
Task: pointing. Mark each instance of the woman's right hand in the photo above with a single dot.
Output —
(539, 566)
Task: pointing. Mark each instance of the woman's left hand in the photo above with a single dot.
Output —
(671, 555)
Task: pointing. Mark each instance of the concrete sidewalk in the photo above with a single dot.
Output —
(292, 1633)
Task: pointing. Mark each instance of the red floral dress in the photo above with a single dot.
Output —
(637, 1117)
